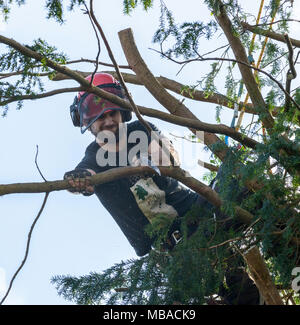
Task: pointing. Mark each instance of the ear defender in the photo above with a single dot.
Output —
(74, 112)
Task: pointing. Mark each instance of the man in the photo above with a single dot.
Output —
(133, 201)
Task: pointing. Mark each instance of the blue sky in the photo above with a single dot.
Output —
(75, 235)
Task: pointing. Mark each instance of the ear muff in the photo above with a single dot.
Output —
(75, 117)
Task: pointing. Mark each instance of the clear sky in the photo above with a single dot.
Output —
(75, 235)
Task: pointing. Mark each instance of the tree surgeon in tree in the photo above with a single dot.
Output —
(135, 201)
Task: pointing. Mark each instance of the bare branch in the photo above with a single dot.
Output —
(42, 95)
(99, 62)
(36, 163)
(135, 109)
(46, 74)
(276, 22)
(195, 124)
(270, 34)
(291, 55)
(119, 172)
(176, 87)
(50, 63)
(116, 173)
(17, 73)
(98, 42)
(240, 63)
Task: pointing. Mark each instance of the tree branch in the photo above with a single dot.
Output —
(36, 163)
(176, 87)
(98, 42)
(261, 277)
(291, 74)
(209, 166)
(120, 172)
(63, 77)
(240, 63)
(157, 90)
(268, 33)
(172, 103)
(42, 95)
(197, 125)
(186, 122)
(99, 62)
(50, 63)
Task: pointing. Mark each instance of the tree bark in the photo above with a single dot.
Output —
(262, 277)
(177, 88)
(145, 76)
(120, 172)
(268, 33)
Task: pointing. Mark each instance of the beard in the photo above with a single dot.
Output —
(117, 130)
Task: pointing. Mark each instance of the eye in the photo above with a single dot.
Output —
(112, 113)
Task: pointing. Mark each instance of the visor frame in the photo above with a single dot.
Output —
(83, 128)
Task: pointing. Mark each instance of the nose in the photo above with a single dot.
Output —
(108, 119)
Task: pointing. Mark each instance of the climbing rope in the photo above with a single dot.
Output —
(252, 62)
(235, 110)
(257, 66)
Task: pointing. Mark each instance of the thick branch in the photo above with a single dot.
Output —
(291, 55)
(262, 277)
(186, 122)
(195, 124)
(116, 173)
(120, 172)
(157, 90)
(177, 88)
(268, 33)
(209, 166)
(172, 103)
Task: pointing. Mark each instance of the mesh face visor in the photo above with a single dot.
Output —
(91, 106)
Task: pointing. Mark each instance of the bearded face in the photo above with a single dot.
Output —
(108, 123)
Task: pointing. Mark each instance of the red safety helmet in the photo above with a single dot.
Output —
(88, 107)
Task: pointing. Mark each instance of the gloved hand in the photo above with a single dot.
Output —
(79, 179)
